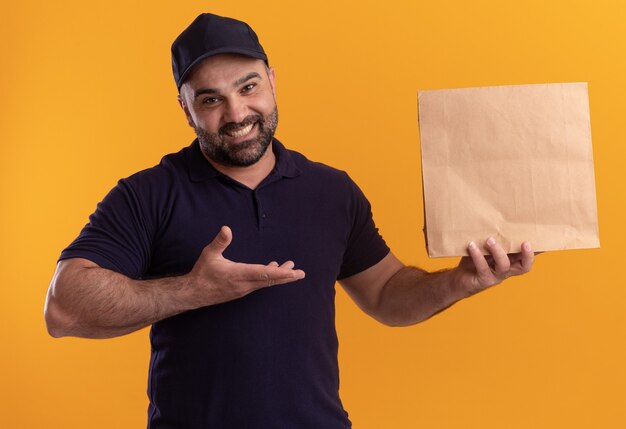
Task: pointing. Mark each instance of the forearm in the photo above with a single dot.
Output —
(93, 302)
(86, 300)
(413, 295)
(397, 295)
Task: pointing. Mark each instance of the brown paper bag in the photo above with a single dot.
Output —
(510, 162)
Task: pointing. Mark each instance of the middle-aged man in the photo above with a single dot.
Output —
(204, 247)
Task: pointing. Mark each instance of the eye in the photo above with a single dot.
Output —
(210, 100)
(248, 87)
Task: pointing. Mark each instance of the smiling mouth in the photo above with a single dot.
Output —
(241, 132)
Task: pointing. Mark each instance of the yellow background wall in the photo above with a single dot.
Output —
(87, 97)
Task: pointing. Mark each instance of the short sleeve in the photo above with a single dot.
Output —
(366, 247)
(117, 236)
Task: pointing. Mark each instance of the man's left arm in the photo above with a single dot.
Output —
(399, 295)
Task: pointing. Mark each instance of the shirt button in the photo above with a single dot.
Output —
(263, 216)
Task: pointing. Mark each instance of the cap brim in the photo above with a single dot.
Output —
(246, 52)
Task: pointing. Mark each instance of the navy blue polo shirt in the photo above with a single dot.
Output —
(269, 359)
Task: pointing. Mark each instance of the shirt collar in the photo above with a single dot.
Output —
(200, 169)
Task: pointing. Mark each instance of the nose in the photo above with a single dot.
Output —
(235, 110)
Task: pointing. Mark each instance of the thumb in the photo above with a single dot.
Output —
(221, 241)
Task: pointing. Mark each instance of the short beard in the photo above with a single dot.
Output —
(244, 154)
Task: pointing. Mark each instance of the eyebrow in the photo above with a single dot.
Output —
(240, 81)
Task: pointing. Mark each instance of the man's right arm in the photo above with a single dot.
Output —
(85, 300)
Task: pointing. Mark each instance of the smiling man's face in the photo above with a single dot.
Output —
(230, 102)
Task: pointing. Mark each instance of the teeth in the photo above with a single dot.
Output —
(242, 132)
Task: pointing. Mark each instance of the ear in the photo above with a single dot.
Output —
(271, 74)
(183, 105)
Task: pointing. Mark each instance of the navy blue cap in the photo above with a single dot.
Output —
(210, 35)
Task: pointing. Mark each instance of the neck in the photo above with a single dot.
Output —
(252, 175)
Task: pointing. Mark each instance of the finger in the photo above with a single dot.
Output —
(273, 264)
(289, 265)
(270, 276)
(483, 270)
(221, 241)
(490, 261)
(500, 257)
(280, 275)
(258, 276)
(528, 257)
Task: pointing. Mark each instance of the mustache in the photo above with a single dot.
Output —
(231, 126)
